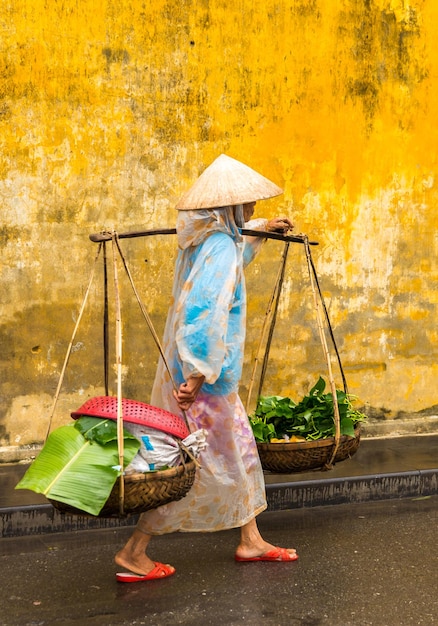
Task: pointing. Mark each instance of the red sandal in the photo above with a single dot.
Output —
(160, 571)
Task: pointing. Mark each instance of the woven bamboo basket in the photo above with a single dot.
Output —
(143, 492)
(289, 458)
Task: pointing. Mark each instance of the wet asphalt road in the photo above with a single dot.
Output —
(373, 563)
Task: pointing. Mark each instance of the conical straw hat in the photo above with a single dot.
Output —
(227, 182)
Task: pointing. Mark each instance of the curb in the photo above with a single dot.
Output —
(415, 484)
(40, 519)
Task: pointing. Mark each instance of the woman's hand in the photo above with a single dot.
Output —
(188, 391)
(279, 225)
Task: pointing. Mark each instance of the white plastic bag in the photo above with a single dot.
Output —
(158, 449)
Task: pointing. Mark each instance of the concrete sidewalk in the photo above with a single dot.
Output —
(382, 468)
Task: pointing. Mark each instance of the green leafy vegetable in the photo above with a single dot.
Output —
(312, 418)
(100, 430)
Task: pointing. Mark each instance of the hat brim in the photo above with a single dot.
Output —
(227, 182)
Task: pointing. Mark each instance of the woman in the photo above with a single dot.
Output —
(203, 344)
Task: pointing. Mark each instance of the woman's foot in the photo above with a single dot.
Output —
(253, 547)
(135, 563)
(276, 554)
(133, 555)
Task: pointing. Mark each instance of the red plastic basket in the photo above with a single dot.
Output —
(136, 413)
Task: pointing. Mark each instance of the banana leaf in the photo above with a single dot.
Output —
(76, 470)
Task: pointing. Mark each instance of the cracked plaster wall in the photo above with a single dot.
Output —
(107, 115)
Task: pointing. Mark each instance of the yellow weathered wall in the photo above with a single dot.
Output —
(109, 110)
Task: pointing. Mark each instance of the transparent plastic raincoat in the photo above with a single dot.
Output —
(205, 334)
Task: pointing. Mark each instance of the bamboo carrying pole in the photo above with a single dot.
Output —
(106, 236)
